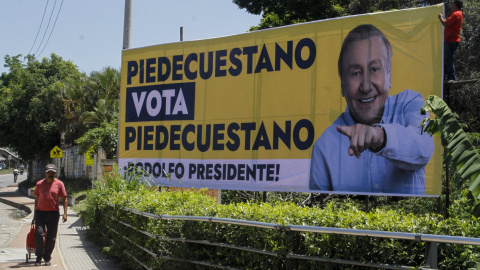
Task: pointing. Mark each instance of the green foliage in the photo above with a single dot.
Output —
(30, 105)
(463, 101)
(339, 213)
(368, 6)
(92, 111)
(466, 59)
(279, 13)
(286, 12)
(105, 136)
(418, 206)
(40, 100)
(460, 150)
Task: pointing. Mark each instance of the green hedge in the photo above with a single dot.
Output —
(339, 215)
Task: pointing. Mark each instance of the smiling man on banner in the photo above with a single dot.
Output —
(376, 145)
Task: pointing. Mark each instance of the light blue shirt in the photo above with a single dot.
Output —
(397, 168)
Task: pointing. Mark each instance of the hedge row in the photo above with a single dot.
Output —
(108, 220)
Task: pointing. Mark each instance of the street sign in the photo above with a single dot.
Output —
(56, 152)
(89, 157)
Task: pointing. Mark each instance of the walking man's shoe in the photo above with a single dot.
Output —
(48, 263)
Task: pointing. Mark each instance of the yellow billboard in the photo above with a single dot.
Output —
(326, 106)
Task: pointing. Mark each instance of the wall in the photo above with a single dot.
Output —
(71, 165)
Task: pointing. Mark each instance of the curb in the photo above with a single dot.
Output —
(17, 205)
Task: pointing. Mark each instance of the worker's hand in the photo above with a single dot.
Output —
(362, 137)
(440, 17)
(64, 217)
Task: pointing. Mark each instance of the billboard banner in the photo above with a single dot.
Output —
(329, 106)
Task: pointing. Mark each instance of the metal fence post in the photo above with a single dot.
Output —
(290, 243)
(431, 255)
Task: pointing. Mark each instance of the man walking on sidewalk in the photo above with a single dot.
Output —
(47, 213)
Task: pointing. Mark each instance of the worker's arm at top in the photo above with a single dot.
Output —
(442, 20)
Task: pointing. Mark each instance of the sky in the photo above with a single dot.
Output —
(90, 32)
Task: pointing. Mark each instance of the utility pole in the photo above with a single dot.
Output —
(127, 24)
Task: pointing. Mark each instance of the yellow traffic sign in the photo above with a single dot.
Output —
(89, 157)
(56, 152)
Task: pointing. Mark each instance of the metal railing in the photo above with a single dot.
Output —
(431, 241)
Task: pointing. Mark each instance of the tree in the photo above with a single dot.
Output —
(105, 136)
(286, 12)
(90, 101)
(40, 100)
(31, 106)
(74, 99)
(278, 13)
(100, 112)
(102, 93)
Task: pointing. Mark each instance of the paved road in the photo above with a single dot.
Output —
(12, 222)
(11, 218)
(7, 179)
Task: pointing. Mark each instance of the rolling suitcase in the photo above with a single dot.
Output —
(31, 242)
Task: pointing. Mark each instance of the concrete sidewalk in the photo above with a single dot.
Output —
(72, 251)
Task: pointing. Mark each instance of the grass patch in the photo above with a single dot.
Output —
(77, 187)
(7, 171)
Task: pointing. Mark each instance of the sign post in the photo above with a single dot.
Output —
(56, 152)
(89, 157)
